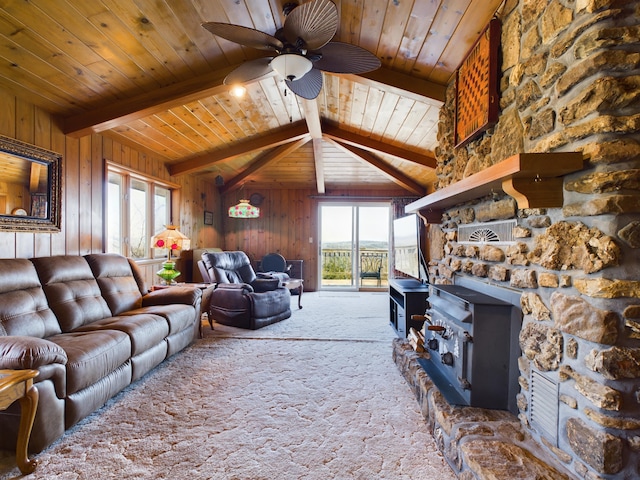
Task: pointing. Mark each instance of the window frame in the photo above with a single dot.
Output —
(127, 176)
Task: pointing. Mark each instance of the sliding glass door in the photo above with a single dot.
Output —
(354, 246)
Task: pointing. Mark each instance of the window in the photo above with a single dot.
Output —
(137, 207)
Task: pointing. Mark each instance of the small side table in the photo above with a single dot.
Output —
(293, 284)
(18, 385)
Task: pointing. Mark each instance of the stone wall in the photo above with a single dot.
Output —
(570, 81)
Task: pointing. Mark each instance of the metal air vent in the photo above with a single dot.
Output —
(544, 405)
(487, 232)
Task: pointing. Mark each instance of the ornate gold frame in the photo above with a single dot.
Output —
(51, 220)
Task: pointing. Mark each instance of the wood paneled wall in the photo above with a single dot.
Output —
(288, 220)
(83, 182)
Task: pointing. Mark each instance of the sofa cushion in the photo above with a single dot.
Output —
(116, 281)
(92, 355)
(23, 305)
(23, 353)
(178, 317)
(144, 330)
(72, 290)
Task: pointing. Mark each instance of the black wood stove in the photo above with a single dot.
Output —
(472, 344)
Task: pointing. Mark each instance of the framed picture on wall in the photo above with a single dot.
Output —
(477, 100)
(208, 218)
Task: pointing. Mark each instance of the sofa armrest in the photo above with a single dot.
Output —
(265, 284)
(22, 353)
(230, 296)
(174, 295)
(245, 287)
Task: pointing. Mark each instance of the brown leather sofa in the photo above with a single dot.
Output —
(90, 327)
(241, 298)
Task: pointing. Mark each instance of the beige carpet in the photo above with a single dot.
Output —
(316, 396)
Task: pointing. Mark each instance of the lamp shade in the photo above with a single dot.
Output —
(244, 210)
(171, 239)
(291, 66)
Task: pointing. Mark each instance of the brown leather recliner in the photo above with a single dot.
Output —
(242, 298)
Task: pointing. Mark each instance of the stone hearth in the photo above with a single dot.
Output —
(478, 443)
(569, 77)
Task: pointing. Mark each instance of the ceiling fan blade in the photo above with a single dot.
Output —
(249, 70)
(338, 57)
(308, 86)
(314, 22)
(249, 37)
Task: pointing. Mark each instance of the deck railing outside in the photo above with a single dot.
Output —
(336, 265)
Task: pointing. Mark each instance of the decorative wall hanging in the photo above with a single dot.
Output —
(477, 102)
(208, 218)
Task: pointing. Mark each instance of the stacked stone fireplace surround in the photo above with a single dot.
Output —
(570, 82)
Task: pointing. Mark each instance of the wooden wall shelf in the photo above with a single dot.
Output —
(533, 179)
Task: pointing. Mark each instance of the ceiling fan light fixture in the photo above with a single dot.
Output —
(237, 91)
(291, 66)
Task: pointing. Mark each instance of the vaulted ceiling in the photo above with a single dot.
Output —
(147, 74)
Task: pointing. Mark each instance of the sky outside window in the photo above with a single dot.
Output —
(336, 224)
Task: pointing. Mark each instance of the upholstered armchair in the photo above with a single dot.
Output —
(242, 298)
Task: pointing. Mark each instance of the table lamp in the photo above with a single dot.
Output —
(171, 239)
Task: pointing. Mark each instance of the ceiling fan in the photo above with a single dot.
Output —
(303, 49)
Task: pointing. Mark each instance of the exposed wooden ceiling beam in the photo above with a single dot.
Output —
(403, 84)
(397, 177)
(296, 132)
(148, 103)
(162, 99)
(312, 117)
(375, 146)
(262, 161)
(318, 157)
(34, 176)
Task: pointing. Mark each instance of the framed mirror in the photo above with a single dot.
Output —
(30, 187)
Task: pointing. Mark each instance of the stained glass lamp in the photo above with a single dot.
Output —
(244, 210)
(172, 240)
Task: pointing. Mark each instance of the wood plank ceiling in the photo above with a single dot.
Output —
(147, 74)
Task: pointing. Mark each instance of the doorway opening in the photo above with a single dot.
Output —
(354, 246)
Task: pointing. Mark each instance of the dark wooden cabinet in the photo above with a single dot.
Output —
(406, 297)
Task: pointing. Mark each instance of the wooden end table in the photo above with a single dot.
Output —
(18, 385)
(295, 283)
